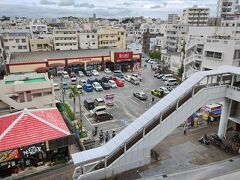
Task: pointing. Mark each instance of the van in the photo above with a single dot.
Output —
(99, 102)
(167, 76)
(102, 116)
(134, 80)
(171, 82)
(89, 103)
(97, 109)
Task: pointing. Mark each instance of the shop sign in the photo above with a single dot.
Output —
(89, 59)
(32, 150)
(9, 155)
(123, 56)
(109, 99)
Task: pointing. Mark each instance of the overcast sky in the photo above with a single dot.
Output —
(103, 8)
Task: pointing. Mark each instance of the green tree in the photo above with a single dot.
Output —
(74, 93)
(155, 55)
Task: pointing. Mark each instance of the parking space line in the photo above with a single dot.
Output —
(133, 101)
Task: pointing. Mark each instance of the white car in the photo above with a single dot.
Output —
(73, 81)
(65, 75)
(164, 89)
(97, 86)
(112, 84)
(55, 86)
(127, 78)
(79, 87)
(82, 82)
(107, 71)
(95, 72)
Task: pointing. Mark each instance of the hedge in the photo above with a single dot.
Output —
(69, 111)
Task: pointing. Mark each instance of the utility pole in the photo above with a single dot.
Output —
(63, 91)
(80, 110)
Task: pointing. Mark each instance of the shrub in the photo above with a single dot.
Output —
(68, 111)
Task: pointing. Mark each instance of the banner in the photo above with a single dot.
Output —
(123, 56)
(109, 99)
(9, 155)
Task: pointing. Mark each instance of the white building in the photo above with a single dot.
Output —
(195, 16)
(88, 40)
(16, 41)
(227, 8)
(135, 47)
(38, 29)
(65, 39)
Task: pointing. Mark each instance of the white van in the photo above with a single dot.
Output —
(134, 80)
(97, 109)
(171, 82)
(167, 76)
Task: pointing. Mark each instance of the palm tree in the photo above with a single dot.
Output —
(74, 93)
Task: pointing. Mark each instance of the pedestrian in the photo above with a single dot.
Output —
(185, 129)
(113, 134)
(106, 136)
(152, 99)
(101, 136)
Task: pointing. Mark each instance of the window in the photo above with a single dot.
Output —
(24, 47)
(37, 95)
(236, 54)
(23, 40)
(39, 46)
(6, 47)
(87, 36)
(13, 46)
(215, 55)
(17, 40)
(47, 93)
(20, 47)
(93, 36)
(10, 39)
(5, 40)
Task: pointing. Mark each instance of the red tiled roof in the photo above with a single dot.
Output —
(30, 127)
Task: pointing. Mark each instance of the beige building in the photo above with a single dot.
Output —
(196, 16)
(65, 39)
(112, 37)
(26, 91)
(41, 45)
(88, 40)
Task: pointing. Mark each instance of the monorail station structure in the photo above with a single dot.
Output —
(131, 147)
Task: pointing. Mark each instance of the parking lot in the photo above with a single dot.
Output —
(127, 107)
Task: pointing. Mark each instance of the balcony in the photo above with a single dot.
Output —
(192, 58)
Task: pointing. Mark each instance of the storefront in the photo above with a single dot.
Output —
(95, 66)
(76, 67)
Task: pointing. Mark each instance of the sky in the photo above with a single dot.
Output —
(102, 8)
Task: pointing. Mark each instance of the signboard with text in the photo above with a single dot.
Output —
(9, 155)
(121, 56)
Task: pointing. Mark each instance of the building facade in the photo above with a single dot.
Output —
(228, 9)
(88, 40)
(16, 41)
(112, 38)
(195, 16)
(25, 91)
(38, 29)
(65, 39)
(172, 18)
(41, 44)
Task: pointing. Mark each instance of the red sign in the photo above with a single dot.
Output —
(9, 155)
(123, 56)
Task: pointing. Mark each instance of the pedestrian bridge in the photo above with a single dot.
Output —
(131, 147)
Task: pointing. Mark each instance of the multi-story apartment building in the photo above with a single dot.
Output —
(65, 39)
(41, 44)
(16, 41)
(112, 37)
(195, 16)
(206, 53)
(26, 91)
(228, 9)
(88, 40)
(175, 37)
(38, 29)
(172, 18)
(2, 57)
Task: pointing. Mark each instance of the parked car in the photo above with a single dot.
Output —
(151, 61)
(72, 74)
(118, 81)
(97, 109)
(106, 79)
(65, 75)
(164, 89)
(134, 80)
(156, 74)
(55, 86)
(88, 73)
(160, 76)
(171, 82)
(127, 78)
(118, 73)
(95, 72)
(91, 80)
(147, 59)
(89, 103)
(73, 81)
(102, 116)
(65, 85)
(140, 95)
(88, 87)
(112, 84)
(107, 71)
(166, 77)
(80, 74)
(105, 85)
(157, 92)
(82, 82)
(80, 88)
(97, 86)
(99, 102)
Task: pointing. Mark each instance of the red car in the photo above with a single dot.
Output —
(119, 82)
(72, 74)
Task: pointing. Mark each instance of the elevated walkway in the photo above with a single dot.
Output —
(131, 147)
